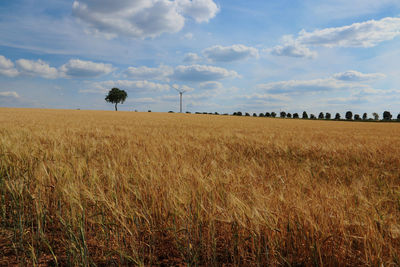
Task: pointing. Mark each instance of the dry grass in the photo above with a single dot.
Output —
(119, 188)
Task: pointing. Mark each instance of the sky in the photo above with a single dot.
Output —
(227, 55)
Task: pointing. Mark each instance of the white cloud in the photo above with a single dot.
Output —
(142, 100)
(188, 36)
(210, 85)
(292, 48)
(200, 96)
(355, 76)
(135, 86)
(365, 34)
(202, 73)
(199, 10)
(230, 53)
(36, 68)
(191, 57)
(266, 97)
(9, 94)
(302, 86)
(77, 68)
(182, 88)
(146, 73)
(7, 67)
(142, 18)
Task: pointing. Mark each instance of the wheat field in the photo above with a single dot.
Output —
(85, 188)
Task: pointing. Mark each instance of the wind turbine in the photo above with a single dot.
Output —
(181, 92)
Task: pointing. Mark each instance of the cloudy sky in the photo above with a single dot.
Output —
(229, 55)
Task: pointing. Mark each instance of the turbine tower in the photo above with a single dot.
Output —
(181, 92)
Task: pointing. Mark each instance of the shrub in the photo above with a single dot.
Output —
(170, 111)
(376, 116)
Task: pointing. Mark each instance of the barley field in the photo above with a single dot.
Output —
(99, 188)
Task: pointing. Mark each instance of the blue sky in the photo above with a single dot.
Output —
(229, 55)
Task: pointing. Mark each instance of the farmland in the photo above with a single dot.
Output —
(127, 188)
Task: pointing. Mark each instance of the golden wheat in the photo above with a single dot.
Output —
(126, 188)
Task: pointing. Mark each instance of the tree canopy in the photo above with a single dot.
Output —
(116, 96)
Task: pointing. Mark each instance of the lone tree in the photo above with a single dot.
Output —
(116, 96)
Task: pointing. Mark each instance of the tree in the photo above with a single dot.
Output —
(239, 113)
(247, 114)
(261, 115)
(312, 116)
(283, 114)
(254, 114)
(321, 116)
(387, 116)
(398, 117)
(305, 116)
(328, 116)
(267, 114)
(295, 115)
(357, 117)
(376, 116)
(349, 115)
(289, 115)
(116, 96)
(273, 114)
(337, 116)
(365, 116)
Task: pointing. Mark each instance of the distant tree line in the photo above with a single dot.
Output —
(349, 116)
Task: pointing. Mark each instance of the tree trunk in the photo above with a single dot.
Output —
(116, 109)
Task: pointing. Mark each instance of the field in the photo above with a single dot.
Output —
(127, 188)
